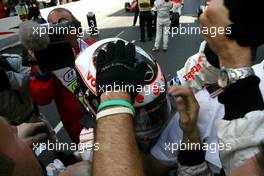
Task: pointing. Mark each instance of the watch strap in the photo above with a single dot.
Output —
(239, 73)
(233, 75)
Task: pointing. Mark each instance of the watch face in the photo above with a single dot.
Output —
(223, 79)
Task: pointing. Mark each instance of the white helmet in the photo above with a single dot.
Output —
(151, 104)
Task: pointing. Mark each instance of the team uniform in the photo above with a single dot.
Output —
(245, 132)
(209, 115)
(163, 22)
(213, 131)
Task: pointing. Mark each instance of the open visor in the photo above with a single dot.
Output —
(150, 121)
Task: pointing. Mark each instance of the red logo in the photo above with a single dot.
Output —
(139, 99)
(200, 59)
(155, 89)
(91, 79)
(195, 69)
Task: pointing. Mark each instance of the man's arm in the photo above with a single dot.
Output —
(244, 95)
(242, 98)
(191, 160)
(118, 153)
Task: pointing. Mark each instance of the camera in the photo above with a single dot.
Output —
(52, 44)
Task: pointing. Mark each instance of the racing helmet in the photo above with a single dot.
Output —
(153, 108)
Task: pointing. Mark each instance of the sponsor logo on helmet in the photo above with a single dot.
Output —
(140, 99)
(156, 88)
(91, 79)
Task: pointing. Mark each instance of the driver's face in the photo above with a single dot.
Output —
(18, 151)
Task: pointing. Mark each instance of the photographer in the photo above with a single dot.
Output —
(60, 15)
(45, 86)
(58, 84)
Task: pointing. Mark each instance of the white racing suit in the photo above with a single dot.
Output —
(198, 73)
(210, 113)
(163, 22)
(243, 134)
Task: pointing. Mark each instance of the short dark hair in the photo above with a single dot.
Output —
(7, 165)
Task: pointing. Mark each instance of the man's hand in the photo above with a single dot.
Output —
(230, 53)
(33, 132)
(187, 106)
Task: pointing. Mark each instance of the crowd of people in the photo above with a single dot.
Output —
(10, 8)
(116, 105)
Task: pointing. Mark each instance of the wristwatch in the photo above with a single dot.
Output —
(229, 76)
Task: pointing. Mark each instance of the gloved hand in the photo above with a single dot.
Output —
(5, 84)
(116, 67)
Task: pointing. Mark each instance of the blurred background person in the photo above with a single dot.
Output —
(34, 12)
(163, 8)
(4, 12)
(145, 19)
(136, 14)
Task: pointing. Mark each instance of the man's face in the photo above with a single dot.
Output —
(54, 17)
(25, 162)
